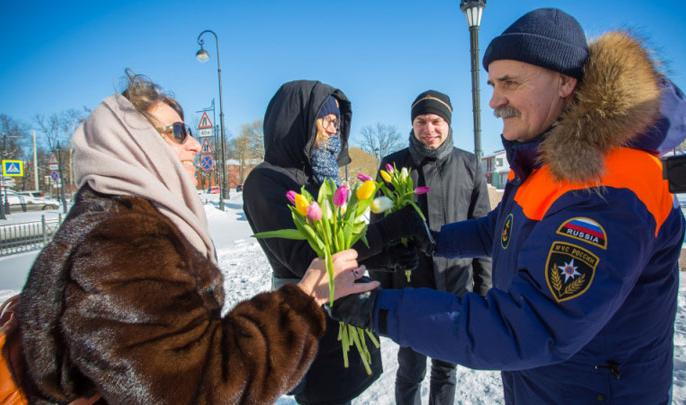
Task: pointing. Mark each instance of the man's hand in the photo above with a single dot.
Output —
(355, 309)
(315, 282)
(406, 223)
(394, 258)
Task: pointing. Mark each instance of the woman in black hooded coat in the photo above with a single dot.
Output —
(290, 133)
(289, 140)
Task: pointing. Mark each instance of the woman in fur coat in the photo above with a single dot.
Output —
(124, 305)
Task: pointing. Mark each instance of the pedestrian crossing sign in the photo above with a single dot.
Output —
(13, 168)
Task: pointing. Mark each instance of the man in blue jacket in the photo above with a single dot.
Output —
(585, 242)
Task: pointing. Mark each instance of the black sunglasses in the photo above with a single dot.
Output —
(178, 131)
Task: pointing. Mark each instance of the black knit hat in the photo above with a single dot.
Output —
(432, 102)
(546, 37)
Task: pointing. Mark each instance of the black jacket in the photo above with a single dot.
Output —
(289, 133)
(458, 192)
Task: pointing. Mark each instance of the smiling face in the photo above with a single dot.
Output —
(430, 129)
(528, 98)
(164, 115)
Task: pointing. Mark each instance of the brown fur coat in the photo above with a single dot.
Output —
(119, 303)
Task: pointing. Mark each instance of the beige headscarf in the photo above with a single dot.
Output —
(117, 151)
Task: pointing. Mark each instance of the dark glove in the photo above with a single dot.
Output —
(406, 223)
(355, 309)
(394, 258)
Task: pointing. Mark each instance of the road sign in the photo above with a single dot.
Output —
(55, 176)
(206, 146)
(205, 122)
(206, 163)
(53, 166)
(204, 133)
(12, 168)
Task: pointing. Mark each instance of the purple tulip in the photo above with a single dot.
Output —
(314, 212)
(363, 177)
(291, 196)
(422, 190)
(389, 168)
(340, 197)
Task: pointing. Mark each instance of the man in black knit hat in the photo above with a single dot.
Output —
(458, 192)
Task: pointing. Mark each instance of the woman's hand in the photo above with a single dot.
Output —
(315, 282)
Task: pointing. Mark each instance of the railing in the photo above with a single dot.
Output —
(28, 236)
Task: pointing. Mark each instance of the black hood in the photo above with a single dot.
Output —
(289, 128)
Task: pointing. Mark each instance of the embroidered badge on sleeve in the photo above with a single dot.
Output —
(569, 270)
(506, 234)
(584, 229)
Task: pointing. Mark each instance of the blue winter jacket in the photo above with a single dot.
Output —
(585, 282)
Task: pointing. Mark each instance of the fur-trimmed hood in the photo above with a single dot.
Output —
(617, 100)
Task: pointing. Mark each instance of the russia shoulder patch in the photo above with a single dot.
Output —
(584, 229)
(569, 270)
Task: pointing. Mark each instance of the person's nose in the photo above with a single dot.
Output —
(497, 100)
(193, 145)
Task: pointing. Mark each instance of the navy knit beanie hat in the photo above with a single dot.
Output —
(432, 102)
(546, 37)
(329, 107)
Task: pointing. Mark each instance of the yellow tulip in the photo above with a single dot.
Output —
(366, 190)
(301, 204)
(385, 176)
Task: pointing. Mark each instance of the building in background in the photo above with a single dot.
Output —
(496, 168)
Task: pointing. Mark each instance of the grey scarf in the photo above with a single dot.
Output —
(419, 151)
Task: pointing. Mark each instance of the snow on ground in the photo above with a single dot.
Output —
(247, 272)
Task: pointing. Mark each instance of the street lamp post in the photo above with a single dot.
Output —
(203, 56)
(473, 10)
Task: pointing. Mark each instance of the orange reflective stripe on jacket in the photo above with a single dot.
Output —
(631, 169)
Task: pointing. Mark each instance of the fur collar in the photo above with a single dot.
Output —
(617, 99)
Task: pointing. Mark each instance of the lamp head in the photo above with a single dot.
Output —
(202, 55)
(473, 10)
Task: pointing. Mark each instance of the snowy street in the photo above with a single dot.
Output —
(247, 272)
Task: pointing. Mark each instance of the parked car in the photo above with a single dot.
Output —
(239, 187)
(26, 201)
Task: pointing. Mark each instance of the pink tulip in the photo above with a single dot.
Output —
(363, 177)
(314, 212)
(389, 168)
(291, 196)
(422, 190)
(340, 197)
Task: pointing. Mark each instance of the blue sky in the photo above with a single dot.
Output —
(68, 54)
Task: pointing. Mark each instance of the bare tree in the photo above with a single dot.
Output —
(380, 140)
(57, 130)
(248, 147)
(12, 135)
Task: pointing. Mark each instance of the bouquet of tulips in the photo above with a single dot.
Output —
(399, 191)
(331, 223)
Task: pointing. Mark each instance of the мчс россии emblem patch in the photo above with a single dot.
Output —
(569, 270)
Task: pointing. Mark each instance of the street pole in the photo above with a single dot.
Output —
(35, 161)
(5, 204)
(473, 10)
(2, 187)
(203, 56)
(215, 140)
(476, 103)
